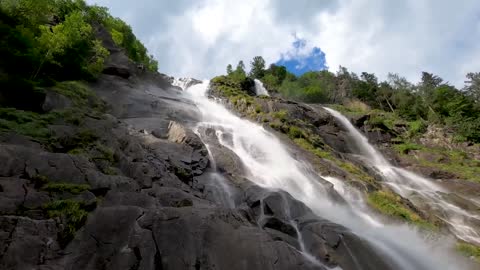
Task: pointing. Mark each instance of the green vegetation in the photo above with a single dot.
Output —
(47, 41)
(26, 123)
(66, 187)
(390, 204)
(392, 104)
(454, 161)
(469, 250)
(73, 215)
(405, 148)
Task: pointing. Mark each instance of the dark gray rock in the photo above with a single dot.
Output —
(26, 243)
(55, 101)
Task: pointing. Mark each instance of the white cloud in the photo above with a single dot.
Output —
(200, 37)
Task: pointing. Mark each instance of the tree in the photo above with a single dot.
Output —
(428, 84)
(240, 67)
(240, 73)
(426, 89)
(229, 69)
(472, 87)
(257, 67)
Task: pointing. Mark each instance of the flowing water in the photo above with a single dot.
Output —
(260, 89)
(270, 165)
(418, 189)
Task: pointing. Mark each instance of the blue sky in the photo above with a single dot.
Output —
(198, 38)
(298, 63)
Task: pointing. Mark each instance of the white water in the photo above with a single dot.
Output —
(270, 165)
(412, 186)
(260, 89)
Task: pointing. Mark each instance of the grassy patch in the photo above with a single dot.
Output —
(280, 115)
(382, 120)
(352, 108)
(66, 187)
(469, 250)
(295, 132)
(303, 143)
(73, 215)
(356, 171)
(80, 95)
(456, 162)
(416, 128)
(390, 204)
(405, 148)
(26, 123)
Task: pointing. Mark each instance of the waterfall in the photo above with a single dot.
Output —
(270, 165)
(416, 188)
(260, 89)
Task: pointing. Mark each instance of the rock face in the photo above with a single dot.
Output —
(148, 204)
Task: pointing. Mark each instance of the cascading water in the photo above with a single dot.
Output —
(416, 188)
(260, 89)
(270, 165)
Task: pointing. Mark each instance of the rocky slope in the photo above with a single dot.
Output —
(317, 137)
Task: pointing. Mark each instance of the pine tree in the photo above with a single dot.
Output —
(257, 67)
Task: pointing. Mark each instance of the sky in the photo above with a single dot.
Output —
(199, 38)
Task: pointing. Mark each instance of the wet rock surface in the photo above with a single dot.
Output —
(140, 198)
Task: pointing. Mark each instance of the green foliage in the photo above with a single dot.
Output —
(306, 145)
(26, 123)
(229, 69)
(80, 95)
(280, 115)
(430, 100)
(313, 87)
(257, 67)
(405, 148)
(73, 215)
(65, 187)
(123, 36)
(416, 128)
(472, 86)
(456, 162)
(295, 132)
(390, 204)
(469, 250)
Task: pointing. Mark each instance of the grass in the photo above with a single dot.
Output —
(280, 115)
(35, 125)
(80, 95)
(352, 109)
(391, 205)
(456, 162)
(416, 128)
(469, 250)
(26, 123)
(405, 148)
(73, 215)
(303, 143)
(65, 187)
(295, 132)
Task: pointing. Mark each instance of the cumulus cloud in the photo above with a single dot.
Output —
(200, 37)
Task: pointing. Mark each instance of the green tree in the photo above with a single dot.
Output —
(229, 69)
(239, 74)
(472, 86)
(257, 67)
